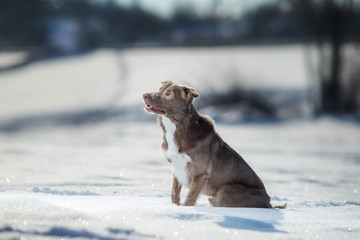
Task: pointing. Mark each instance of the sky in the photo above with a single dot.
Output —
(165, 8)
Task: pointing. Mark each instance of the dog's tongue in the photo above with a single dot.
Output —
(150, 108)
(147, 107)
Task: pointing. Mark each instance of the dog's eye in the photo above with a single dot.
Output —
(168, 94)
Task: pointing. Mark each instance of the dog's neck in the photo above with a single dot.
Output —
(186, 119)
(188, 130)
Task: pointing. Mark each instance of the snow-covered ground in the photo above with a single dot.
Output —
(118, 78)
(107, 179)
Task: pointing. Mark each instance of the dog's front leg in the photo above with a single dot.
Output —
(175, 191)
(197, 184)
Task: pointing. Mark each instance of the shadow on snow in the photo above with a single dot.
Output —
(251, 219)
(113, 234)
(247, 224)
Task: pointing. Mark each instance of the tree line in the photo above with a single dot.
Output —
(327, 24)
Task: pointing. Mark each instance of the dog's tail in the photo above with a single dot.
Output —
(280, 206)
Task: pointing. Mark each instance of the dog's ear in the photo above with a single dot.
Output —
(166, 83)
(190, 93)
(194, 93)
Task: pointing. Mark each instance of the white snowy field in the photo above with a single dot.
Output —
(107, 179)
(108, 77)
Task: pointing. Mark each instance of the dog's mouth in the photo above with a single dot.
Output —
(151, 109)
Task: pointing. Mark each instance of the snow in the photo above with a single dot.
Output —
(106, 77)
(108, 179)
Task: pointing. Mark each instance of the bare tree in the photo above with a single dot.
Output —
(328, 22)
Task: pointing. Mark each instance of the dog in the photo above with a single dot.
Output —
(200, 159)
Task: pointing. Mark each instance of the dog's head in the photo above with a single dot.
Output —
(172, 99)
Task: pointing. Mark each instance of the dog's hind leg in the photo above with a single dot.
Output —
(237, 195)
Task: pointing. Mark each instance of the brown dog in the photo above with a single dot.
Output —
(200, 159)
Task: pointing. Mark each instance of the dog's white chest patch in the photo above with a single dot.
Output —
(178, 160)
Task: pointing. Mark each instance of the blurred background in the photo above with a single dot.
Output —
(79, 61)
